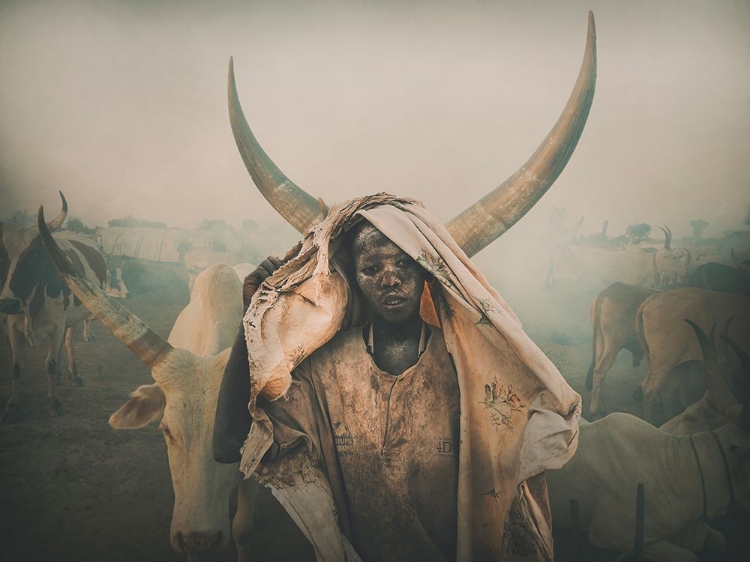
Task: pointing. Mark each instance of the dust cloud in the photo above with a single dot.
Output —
(122, 106)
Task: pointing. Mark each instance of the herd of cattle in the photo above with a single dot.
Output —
(53, 283)
(693, 469)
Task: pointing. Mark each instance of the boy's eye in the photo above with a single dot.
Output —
(369, 270)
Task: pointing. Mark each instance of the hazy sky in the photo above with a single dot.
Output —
(122, 105)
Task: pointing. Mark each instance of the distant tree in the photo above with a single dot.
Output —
(130, 222)
(605, 225)
(698, 226)
(76, 225)
(638, 232)
(747, 217)
(618, 241)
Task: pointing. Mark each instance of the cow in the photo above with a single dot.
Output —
(714, 276)
(117, 287)
(186, 368)
(687, 479)
(669, 344)
(613, 321)
(39, 305)
(709, 411)
(671, 264)
(197, 260)
(634, 265)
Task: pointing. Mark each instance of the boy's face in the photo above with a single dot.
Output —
(391, 281)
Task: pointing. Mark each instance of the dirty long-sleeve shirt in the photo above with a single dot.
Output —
(388, 444)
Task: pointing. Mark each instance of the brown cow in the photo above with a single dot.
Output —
(613, 320)
(670, 345)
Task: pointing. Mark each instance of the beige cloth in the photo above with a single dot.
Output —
(518, 415)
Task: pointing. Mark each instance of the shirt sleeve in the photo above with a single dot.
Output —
(293, 417)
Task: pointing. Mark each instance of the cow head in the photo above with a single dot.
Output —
(672, 264)
(702, 415)
(480, 223)
(26, 271)
(183, 402)
(116, 286)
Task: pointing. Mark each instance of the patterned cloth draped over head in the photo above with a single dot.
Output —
(518, 416)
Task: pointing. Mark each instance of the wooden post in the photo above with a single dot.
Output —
(640, 504)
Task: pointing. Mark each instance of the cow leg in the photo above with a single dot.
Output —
(17, 344)
(649, 392)
(72, 367)
(243, 523)
(53, 371)
(603, 365)
(88, 334)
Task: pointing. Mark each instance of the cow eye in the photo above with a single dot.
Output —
(734, 449)
(166, 432)
(690, 418)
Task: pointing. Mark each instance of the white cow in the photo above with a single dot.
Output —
(187, 370)
(687, 479)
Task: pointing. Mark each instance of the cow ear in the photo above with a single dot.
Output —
(144, 406)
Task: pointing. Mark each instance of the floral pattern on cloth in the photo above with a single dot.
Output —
(501, 402)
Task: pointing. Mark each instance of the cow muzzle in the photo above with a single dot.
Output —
(196, 543)
(10, 306)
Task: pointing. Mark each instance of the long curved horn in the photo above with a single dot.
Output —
(126, 326)
(484, 221)
(57, 222)
(299, 208)
(667, 237)
(720, 391)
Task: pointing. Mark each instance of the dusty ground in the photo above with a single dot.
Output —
(75, 489)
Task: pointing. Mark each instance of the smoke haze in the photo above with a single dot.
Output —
(122, 106)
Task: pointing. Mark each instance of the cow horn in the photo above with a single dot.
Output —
(667, 237)
(482, 222)
(689, 256)
(717, 384)
(487, 219)
(126, 326)
(57, 222)
(743, 266)
(299, 208)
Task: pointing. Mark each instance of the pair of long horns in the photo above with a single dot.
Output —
(478, 225)
(126, 326)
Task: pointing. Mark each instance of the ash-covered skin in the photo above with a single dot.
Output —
(391, 283)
